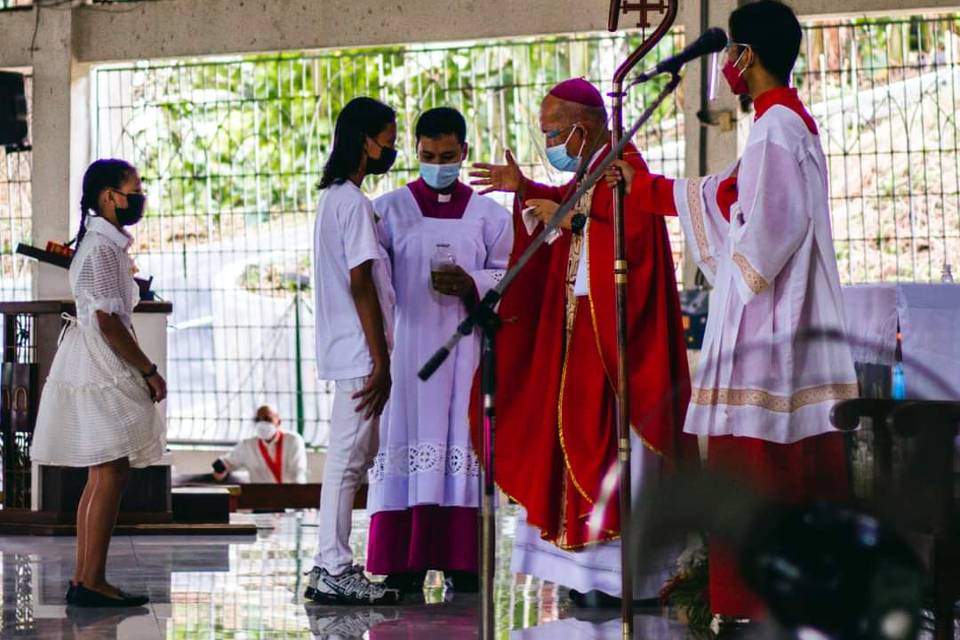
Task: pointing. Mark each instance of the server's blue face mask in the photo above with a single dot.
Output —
(439, 176)
(557, 155)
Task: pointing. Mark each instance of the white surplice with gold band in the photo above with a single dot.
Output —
(775, 359)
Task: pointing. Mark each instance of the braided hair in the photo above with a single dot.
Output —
(102, 174)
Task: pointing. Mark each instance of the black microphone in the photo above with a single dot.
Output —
(712, 41)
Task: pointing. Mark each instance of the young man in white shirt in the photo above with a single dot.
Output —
(274, 455)
(353, 316)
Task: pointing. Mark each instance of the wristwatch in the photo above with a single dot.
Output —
(577, 223)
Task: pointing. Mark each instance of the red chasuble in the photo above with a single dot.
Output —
(556, 430)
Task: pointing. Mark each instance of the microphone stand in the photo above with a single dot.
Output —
(484, 317)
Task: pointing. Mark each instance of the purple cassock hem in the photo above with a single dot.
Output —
(421, 538)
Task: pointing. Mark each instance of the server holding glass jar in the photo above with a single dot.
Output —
(447, 245)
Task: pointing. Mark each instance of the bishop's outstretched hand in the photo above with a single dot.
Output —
(498, 177)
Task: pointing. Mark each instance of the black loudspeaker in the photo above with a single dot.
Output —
(13, 110)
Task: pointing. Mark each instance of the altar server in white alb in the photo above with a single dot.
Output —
(774, 362)
(272, 456)
(447, 246)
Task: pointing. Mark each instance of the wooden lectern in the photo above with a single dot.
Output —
(42, 499)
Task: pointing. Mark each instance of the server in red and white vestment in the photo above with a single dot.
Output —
(774, 362)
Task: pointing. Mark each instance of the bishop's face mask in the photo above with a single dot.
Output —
(558, 157)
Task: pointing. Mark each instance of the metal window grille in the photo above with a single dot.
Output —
(886, 94)
(15, 223)
(16, 284)
(231, 152)
(16, 216)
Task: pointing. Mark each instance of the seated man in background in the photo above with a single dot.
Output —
(274, 455)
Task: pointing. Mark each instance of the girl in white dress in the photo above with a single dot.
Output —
(99, 405)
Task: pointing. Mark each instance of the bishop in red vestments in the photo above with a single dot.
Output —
(557, 355)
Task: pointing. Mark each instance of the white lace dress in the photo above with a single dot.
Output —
(95, 407)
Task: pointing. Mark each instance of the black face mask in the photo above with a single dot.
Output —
(379, 166)
(133, 213)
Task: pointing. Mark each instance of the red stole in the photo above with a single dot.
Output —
(274, 464)
(545, 444)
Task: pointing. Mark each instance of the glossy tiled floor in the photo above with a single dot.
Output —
(243, 588)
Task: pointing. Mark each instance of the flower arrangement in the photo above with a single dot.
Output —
(686, 592)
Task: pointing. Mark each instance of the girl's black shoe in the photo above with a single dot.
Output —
(83, 597)
(71, 592)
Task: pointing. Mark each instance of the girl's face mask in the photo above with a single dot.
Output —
(133, 213)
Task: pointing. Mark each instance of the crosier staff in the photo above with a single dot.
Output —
(669, 9)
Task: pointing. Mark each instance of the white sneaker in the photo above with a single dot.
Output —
(350, 587)
(337, 623)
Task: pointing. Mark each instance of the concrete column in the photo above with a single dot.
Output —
(60, 133)
(721, 144)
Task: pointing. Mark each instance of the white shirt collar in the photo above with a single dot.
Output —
(118, 237)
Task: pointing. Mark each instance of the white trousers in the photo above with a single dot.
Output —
(350, 453)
